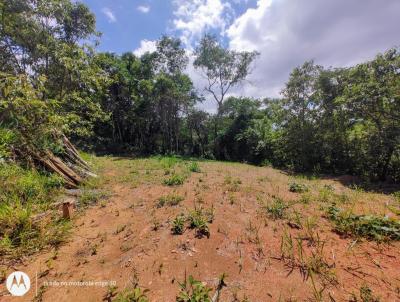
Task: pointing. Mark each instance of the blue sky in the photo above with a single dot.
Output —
(286, 32)
(125, 23)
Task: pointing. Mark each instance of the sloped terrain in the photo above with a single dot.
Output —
(276, 237)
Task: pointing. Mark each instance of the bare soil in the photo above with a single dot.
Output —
(128, 239)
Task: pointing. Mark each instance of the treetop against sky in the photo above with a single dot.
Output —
(286, 33)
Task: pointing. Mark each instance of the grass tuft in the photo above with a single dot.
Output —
(277, 208)
(174, 180)
(171, 199)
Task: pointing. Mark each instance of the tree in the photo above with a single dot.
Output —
(222, 68)
(46, 76)
(372, 97)
(301, 112)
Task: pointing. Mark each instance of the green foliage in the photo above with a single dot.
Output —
(174, 180)
(7, 138)
(193, 291)
(223, 68)
(277, 208)
(59, 68)
(171, 199)
(24, 193)
(178, 225)
(199, 219)
(168, 162)
(396, 195)
(298, 187)
(342, 120)
(367, 226)
(132, 295)
(194, 167)
(27, 186)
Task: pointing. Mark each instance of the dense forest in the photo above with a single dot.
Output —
(55, 83)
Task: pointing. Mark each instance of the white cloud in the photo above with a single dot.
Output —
(332, 32)
(109, 14)
(143, 9)
(194, 17)
(145, 46)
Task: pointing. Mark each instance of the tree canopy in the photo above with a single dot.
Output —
(53, 83)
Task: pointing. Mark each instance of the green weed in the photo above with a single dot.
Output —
(193, 291)
(171, 199)
(178, 225)
(298, 187)
(368, 226)
(174, 180)
(194, 167)
(23, 194)
(132, 295)
(168, 162)
(199, 219)
(277, 208)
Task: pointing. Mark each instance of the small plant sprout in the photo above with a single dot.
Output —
(193, 290)
(178, 225)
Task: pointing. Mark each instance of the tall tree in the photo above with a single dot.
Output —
(223, 68)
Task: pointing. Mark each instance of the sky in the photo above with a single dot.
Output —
(287, 33)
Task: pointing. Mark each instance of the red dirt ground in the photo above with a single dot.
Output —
(244, 242)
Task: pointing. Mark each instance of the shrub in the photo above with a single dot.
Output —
(297, 187)
(174, 180)
(368, 226)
